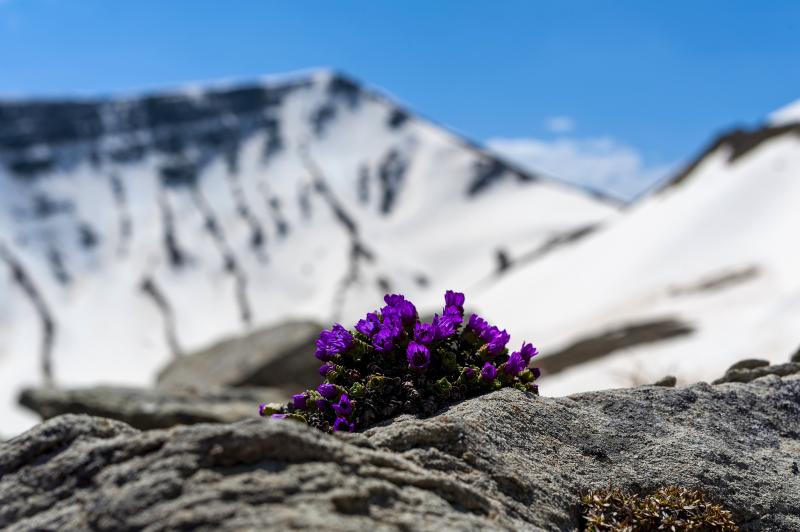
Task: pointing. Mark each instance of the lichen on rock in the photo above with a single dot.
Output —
(668, 508)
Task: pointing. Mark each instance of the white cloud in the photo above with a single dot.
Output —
(560, 124)
(600, 163)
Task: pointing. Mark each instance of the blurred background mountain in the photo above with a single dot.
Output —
(617, 183)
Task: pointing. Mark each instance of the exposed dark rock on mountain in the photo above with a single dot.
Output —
(606, 342)
(487, 171)
(556, 241)
(739, 142)
(151, 409)
(276, 357)
(27, 124)
(749, 363)
(669, 381)
(503, 461)
(721, 281)
(23, 280)
(747, 374)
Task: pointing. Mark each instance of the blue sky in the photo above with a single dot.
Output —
(624, 89)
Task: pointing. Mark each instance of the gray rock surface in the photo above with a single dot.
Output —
(151, 409)
(274, 357)
(503, 461)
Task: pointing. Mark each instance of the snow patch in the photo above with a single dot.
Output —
(789, 114)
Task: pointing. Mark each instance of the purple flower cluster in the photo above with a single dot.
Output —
(388, 329)
(393, 363)
(333, 342)
(495, 339)
(338, 402)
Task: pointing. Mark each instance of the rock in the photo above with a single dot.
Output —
(275, 357)
(796, 356)
(747, 375)
(151, 409)
(503, 461)
(749, 363)
(669, 381)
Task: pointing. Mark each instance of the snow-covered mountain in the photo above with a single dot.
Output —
(700, 274)
(787, 115)
(132, 229)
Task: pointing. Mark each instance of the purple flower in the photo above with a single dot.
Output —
(528, 352)
(279, 416)
(322, 404)
(342, 425)
(331, 343)
(498, 343)
(393, 324)
(261, 409)
(424, 333)
(391, 330)
(326, 368)
(454, 299)
(445, 326)
(299, 401)
(488, 372)
(344, 407)
(370, 325)
(454, 305)
(454, 313)
(398, 305)
(419, 358)
(384, 340)
(328, 391)
(468, 373)
(477, 324)
(495, 339)
(393, 300)
(488, 334)
(536, 373)
(515, 364)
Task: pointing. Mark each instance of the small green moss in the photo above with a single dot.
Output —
(669, 508)
(267, 409)
(443, 387)
(376, 382)
(357, 390)
(526, 376)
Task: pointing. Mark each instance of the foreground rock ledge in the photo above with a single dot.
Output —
(151, 409)
(505, 461)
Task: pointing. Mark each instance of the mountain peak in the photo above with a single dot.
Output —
(789, 114)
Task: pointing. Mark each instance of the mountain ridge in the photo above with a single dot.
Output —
(739, 141)
(201, 90)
